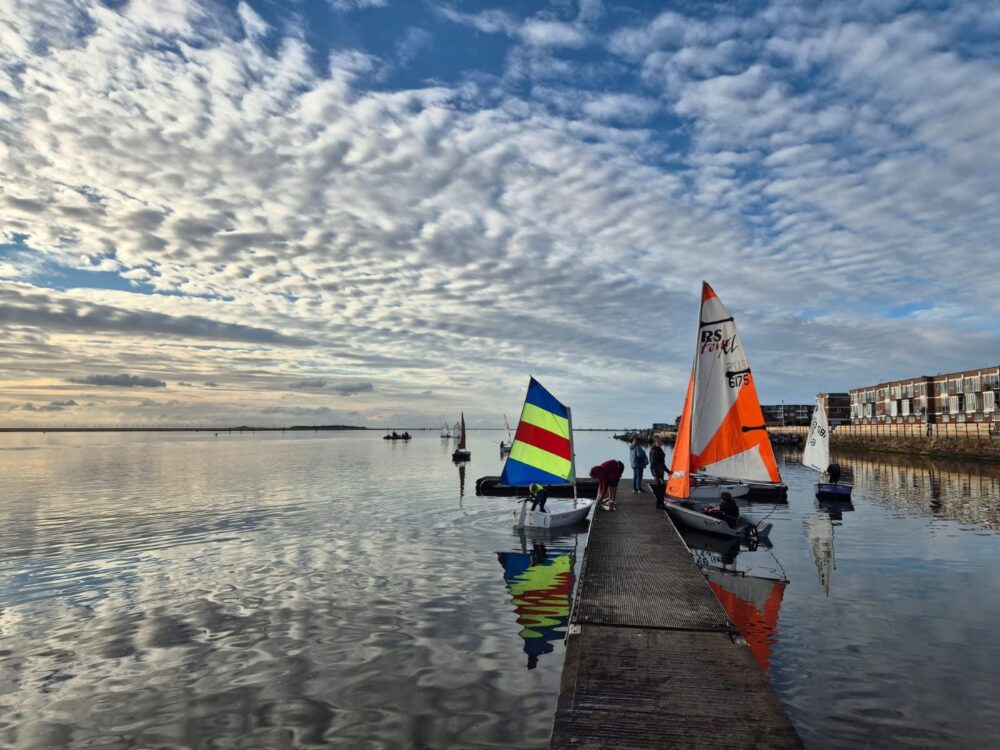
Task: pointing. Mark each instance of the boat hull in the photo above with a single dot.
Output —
(763, 491)
(833, 491)
(461, 456)
(557, 513)
(713, 491)
(491, 487)
(694, 519)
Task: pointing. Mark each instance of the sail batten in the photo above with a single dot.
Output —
(542, 450)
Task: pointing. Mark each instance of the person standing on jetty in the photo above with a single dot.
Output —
(607, 476)
(658, 468)
(637, 460)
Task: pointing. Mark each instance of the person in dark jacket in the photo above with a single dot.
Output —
(638, 460)
(658, 468)
(607, 476)
(727, 510)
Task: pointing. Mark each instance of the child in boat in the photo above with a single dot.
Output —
(727, 510)
(538, 497)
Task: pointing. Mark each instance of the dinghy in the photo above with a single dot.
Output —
(506, 444)
(816, 455)
(722, 431)
(461, 452)
(542, 453)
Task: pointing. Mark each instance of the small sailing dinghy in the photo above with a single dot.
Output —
(461, 452)
(542, 453)
(816, 455)
(721, 432)
(506, 444)
(445, 431)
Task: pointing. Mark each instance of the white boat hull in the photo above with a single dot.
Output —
(693, 519)
(714, 491)
(557, 513)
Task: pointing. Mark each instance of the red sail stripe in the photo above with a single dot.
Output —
(547, 441)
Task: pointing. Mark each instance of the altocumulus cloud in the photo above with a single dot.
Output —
(344, 388)
(122, 380)
(228, 182)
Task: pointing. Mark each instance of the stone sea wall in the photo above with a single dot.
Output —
(982, 448)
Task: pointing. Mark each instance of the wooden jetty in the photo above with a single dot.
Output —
(652, 658)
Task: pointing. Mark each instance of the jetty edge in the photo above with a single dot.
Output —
(652, 659)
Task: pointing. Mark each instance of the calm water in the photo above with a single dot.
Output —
(334, 589)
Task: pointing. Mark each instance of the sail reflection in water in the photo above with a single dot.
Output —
(751, 601)
(819, 532)
(540, 580)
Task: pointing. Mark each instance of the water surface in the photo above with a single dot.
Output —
(334, 589)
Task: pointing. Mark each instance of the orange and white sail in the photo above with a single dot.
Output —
(679, 482)
(726, 436)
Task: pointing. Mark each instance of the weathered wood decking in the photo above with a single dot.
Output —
(652, 659)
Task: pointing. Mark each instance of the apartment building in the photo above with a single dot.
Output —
(787, 414)
(955, 397)
(837, 407)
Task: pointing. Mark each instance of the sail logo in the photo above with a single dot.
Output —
(713, 341)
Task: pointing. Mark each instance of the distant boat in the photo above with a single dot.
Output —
(445, 431)
(456, 430)
(461, 452)
(721, 432)
(816, 455)
(397, 436)
(505, 445)
(542, 453)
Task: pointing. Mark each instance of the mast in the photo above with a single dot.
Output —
(572, 452)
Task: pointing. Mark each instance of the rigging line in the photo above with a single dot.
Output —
(715, 322)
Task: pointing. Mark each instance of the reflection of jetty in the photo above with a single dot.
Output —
(652, 659)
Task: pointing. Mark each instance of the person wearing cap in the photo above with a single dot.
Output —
(538, 496)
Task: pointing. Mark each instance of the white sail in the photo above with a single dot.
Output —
(816, 454)
(728, 435)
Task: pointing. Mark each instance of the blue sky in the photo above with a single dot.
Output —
(377, 211)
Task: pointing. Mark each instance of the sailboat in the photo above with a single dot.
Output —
(816, 455)
(542, 453)
(461, 452)
(445, 431)
(506, 444)
(722, 431)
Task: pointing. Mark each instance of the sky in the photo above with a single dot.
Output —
(382, 212)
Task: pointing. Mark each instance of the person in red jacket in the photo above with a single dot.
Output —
(607, 476)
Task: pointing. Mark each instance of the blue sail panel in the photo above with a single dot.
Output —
(538, 396)
(517, 474)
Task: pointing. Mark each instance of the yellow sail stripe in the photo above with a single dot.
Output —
(539, 459)
(546, 420)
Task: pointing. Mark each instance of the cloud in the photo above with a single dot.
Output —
(26, 305)
(122, 380)
(292, 208)
(348, 5)
(344, 388)
(413, 42)
(51, 406)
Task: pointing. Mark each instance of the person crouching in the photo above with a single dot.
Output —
(538, 497)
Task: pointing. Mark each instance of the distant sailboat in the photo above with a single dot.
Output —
(461, 452)
(816, 455)
(505, 445)
(722, 431)
(445, 431)
(542, 453)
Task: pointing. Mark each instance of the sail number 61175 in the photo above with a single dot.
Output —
(735, 381)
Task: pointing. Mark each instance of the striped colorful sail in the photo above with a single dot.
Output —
(543, 444)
